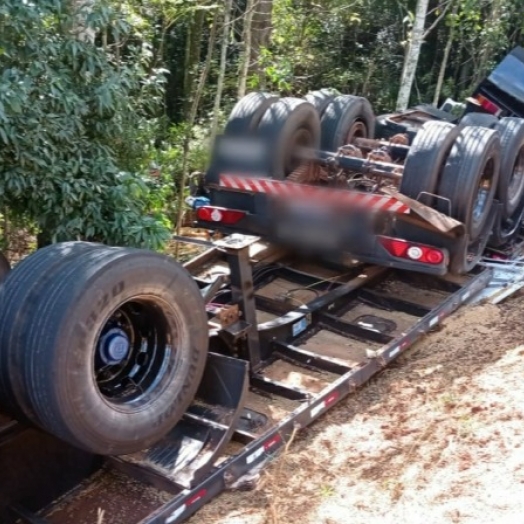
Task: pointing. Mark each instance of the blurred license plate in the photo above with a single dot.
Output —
(303, 224)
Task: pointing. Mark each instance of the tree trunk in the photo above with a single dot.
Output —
(261, 25)
(226, 32)
(192, 58)
(246, 55)
(412, 55)
(495, 29)
(191, 122)
(81, 9)
(445, 59)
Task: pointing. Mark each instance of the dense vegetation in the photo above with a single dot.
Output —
(106, 106)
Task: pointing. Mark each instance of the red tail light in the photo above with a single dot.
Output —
(488, 105)
(413, 251)
(220, 215)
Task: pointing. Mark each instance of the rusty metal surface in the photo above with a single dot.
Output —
(438, 220)
(308, 173)
(228, 315)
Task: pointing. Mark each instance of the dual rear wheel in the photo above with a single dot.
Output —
(323, 119)
(468, 167)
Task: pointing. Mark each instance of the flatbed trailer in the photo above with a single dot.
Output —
(308, 333)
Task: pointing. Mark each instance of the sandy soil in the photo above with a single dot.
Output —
(436, 438)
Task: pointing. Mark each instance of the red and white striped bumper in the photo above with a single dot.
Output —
(280, 189)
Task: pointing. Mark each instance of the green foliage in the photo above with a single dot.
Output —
(81, 124)
(72, 119)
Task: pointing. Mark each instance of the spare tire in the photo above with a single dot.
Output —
(321, 99)
(109, 357)
(248, 112)
(470, 178)
(286, 125)
(5, 267)
(346, 117)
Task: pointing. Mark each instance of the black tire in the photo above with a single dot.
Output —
(345, 118)
(96, 305)
(289, 123)
(5, 267)
(248, 112)
(507, 230)
(28, 279)
(474, 160)
(426, 159)
(385, 128)
(510, 191)
(321, 99)
(479, 119)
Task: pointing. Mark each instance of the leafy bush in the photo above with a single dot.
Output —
(75, 121)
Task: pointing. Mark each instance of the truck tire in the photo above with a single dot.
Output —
(510, 191)
(345, 118)
(29, 278)
(111, 355)
(321, 99)
(288, 124)
(248, 112)
(426, 159)
(385, 128)
(470, 178)
(5, 267)
(479, 119)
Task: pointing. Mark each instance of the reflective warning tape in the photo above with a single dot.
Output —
(333, 196)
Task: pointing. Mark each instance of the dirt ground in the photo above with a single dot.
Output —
(436, 438)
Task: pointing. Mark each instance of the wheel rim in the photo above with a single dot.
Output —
(480, 207)
(516, 183)
(135, 352)
(357, 130)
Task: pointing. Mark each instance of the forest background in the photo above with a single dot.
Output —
(106, 106)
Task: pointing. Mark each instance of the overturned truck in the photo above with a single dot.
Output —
(122, 369)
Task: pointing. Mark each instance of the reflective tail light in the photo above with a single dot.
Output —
(488, 105)
(220, 215)
(412, 251)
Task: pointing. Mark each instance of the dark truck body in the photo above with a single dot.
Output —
(335, 223)
(504, 86)
(347, 231)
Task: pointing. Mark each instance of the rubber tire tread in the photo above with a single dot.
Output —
(479, 119)
(43, 358)
(340, 115)
(460, 178)
(281, 121)
(427, 157)
(29, 278)
(248, 111)
(321, 99)
(511, 131)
